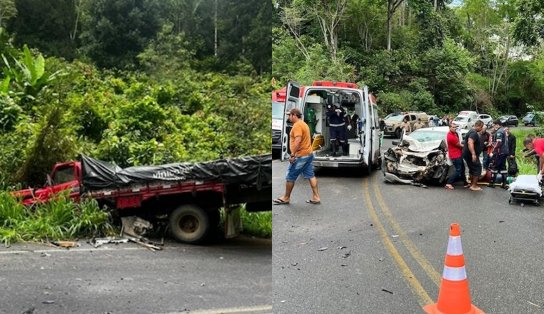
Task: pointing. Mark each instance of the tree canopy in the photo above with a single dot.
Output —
(421, 55)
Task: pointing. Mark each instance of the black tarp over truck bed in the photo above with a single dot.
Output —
(247, 179)
(249, 171)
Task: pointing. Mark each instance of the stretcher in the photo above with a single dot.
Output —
(525, 189)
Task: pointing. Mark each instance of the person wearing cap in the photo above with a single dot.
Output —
(300, 160)
(498, 155)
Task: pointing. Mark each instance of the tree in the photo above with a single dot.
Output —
(328, 14)
(46, 25)
(116, 31)
(7, 11)
(392, 6)
(529, 24)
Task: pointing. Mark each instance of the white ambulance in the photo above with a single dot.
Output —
(363, 137)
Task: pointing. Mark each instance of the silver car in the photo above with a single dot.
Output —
(419, 158)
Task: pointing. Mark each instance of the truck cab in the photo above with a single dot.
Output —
(64, 176)
(364, 138)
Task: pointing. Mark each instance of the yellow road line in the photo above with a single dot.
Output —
(435, 276)
(414, 284)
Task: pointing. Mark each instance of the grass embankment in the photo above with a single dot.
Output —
(525, 165)
(62, 219)
(257, 224)
(59, 219)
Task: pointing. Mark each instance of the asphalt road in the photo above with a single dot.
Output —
(232, 277)
(373, 247)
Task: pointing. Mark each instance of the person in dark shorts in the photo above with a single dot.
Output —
(499, 155)
(471, 155)
(300, 161)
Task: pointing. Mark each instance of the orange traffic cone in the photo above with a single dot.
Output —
(454, 294)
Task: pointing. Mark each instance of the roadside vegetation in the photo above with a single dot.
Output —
(171, 92)
(440, 56)
(257, 224)
(526, 165)
(59, 219)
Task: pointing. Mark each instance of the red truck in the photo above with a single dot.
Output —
(188, 195)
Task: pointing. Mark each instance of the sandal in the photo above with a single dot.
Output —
(449, 187)
(475, 189)
(313, 202)
(279, 201)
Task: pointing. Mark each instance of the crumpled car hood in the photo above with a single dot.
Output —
(417, 161)
(415, 146)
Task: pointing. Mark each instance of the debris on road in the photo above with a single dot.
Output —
(346, 255)
(385, 290)
(145, 243)
(135, 226)
(322, 249)
(65, 244)
(533, 303)
(101, 241)
(48, 302)
(342, 247)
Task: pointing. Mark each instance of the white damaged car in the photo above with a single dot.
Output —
(419, 158)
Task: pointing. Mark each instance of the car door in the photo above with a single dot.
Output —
(292, 100)
(376, 134)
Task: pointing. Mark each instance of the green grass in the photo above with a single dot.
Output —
(526, 165)
(59, 219)
(257, 224)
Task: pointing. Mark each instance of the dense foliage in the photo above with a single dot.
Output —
(158, 103)
(421, 55)
(57, 219)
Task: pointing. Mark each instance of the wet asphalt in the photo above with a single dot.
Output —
(233, 277)
(373, 247)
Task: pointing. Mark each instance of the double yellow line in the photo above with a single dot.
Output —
(409, 277)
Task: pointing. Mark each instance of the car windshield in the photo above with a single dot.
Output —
(423, 135)
(529, 116)
(396, 118)
(277, 110)
(463, 119)
(391, 115)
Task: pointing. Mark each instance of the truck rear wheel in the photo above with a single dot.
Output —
(190, 224)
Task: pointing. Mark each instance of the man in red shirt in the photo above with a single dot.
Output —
(454, 153)
(537, 145)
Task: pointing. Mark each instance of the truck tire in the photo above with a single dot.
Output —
(190, 224)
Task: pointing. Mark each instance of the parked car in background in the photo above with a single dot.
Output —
(393, 123)
(466, 119)
(433, 120)
(533, 118)
(420, 157)
(509, 120)
(485, 118)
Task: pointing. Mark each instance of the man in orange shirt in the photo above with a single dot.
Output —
(300, 161)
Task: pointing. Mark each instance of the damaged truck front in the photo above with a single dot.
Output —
(186, 197)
